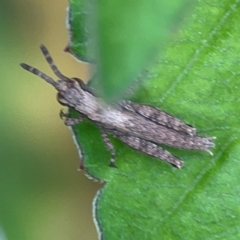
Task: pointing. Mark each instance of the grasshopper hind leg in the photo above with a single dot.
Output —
(158, 116)
(151, 149)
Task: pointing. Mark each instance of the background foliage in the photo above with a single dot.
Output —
(42, 195)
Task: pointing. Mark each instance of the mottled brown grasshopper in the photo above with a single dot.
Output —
(141, 127)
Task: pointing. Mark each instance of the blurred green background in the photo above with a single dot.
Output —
(42, 195)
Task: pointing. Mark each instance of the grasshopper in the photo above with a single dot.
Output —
(142, 127)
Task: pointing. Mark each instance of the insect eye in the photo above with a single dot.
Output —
(79, 81)
(61, 99)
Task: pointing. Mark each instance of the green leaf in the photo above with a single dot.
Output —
(122, 37)
(198, 81)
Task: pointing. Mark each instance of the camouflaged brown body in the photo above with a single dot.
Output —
(140, 126)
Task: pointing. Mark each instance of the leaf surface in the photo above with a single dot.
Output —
(197, 80)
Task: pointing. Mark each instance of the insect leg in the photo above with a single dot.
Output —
(70, 121)
(109, 146)
(158, 116)
(151, 149)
